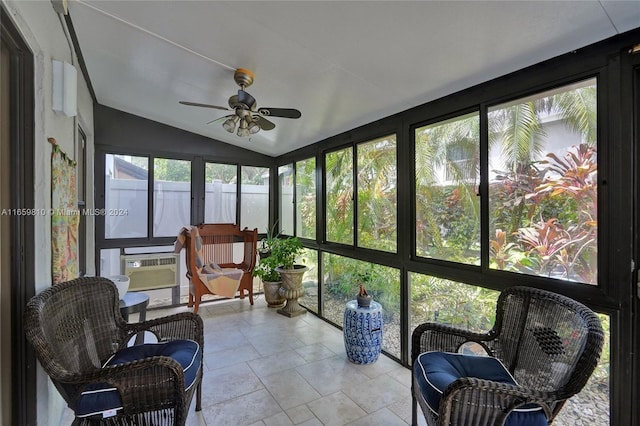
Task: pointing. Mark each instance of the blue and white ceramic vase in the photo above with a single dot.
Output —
(363, 328)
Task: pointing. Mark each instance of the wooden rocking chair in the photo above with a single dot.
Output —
(215, 244)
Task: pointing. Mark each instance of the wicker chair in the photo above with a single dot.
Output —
(542, 350)
(80, 338)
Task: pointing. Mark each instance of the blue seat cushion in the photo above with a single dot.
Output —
(434, 371)
(102, 398)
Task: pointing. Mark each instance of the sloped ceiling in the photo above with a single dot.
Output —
(341, 63)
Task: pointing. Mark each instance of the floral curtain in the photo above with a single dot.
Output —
(64, 216)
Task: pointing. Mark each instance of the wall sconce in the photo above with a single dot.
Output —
(65, 88)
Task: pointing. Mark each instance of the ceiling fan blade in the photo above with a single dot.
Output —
(280, 112)
(204, 105)
(220, 119)
(264, 123)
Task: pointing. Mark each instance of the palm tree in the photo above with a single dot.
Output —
(339, 192)
(517, 134)
(448, 152)
(377, 189)
(519, 130)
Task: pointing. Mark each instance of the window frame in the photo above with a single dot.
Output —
(600, 61)
(197, 194)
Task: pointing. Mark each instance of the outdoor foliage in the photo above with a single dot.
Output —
(306, 198)
(255, 175)
(343, 276)
(339, 192)
(225, 173)
(447, 178)
(377, 200)
(172, 170)
(438, 300)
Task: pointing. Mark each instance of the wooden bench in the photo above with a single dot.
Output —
(218, 240)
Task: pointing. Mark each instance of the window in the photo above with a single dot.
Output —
(377, 200)
(543, 184)
(254, 198)
(309, 300)
(126, 190)
(285, 177)
(340, 284)
(439, 300)
(171, 196)
(339, 196)
(306, 198)
(447, 173)
(220, 193)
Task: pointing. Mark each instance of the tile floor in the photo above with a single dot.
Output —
(264, 369)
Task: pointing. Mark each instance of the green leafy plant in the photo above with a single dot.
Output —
(266, 269)
(266, 244)
(285, 251)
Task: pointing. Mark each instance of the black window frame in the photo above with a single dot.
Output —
(609, 62)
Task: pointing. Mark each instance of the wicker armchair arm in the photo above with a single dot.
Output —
(440, 337)
(144, 385)
(467, 399)
(185, 325)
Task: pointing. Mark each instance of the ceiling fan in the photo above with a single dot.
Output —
(247, 116)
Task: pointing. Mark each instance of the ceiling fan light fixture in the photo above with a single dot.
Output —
(230, 124)
(243, 130)
(253, 126)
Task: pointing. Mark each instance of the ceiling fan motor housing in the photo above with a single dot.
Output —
(243, 77)
(242, 100)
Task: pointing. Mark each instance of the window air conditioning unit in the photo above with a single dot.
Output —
(151, 271)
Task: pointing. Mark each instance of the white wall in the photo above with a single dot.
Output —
(46, 34)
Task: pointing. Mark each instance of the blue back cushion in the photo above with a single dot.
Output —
(102, 397)
(434, 371)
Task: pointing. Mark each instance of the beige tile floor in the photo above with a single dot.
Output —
(264, 369)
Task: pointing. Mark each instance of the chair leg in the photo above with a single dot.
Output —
(197, 304)
(247, 284)
(250, 289)
(199, 394)
(414, 410)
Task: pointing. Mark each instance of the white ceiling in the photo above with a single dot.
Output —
(341, 63)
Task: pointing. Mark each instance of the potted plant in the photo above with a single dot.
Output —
(284, 253)
(265, 270)
(363, 279)
(266, 244)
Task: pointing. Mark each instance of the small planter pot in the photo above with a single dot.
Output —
(364, 301)
(272, 294)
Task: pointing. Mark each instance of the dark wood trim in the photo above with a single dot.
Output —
(23, 276)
